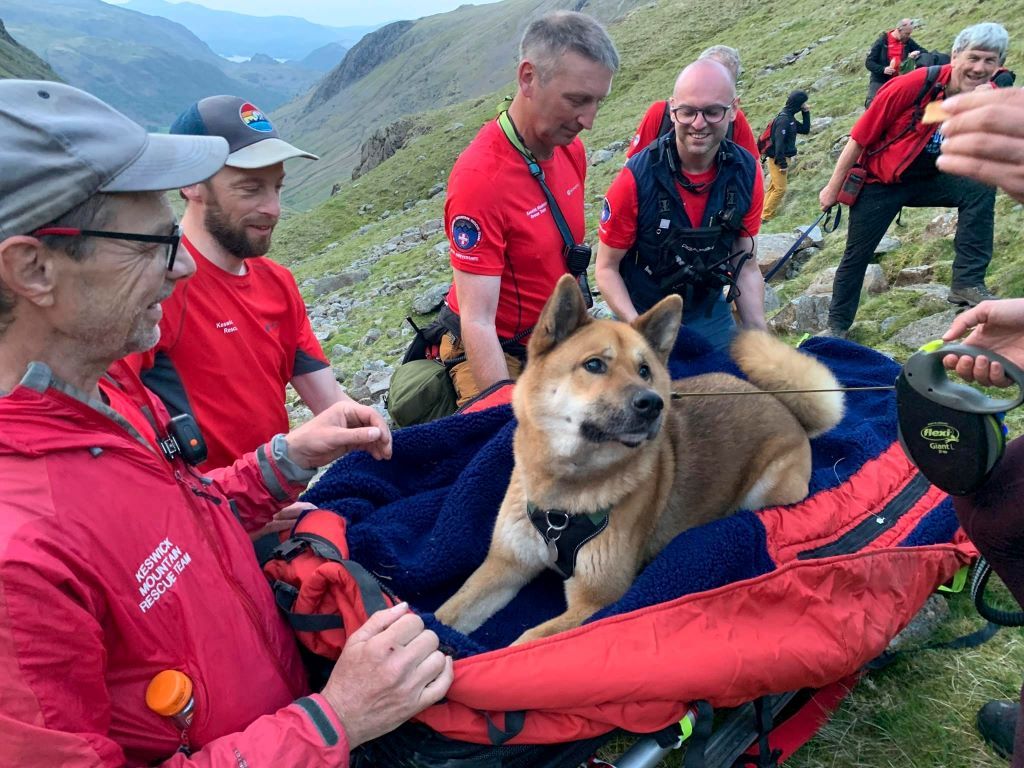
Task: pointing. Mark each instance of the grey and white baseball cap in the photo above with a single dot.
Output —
(59, 146)
(253, 140)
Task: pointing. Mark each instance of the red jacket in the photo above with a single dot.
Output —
(888, 132)
(116, 564)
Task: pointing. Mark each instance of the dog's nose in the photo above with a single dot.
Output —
(647, 403)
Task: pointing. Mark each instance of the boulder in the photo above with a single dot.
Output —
(874, 280)
(804, 314)
(887, 245)
(915, 275)
(814, 235)
(377, 382)
(924, 330)
(822, 284)
(601, 156)
(943, 225)
(431, 299)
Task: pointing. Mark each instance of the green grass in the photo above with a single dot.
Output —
(920, 711)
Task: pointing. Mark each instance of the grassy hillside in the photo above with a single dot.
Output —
(918, 712)
(18, 61)
(442, 59)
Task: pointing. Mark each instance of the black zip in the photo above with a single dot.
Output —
(875, 525)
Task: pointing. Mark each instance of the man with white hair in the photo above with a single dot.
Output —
(887, 55)
(681, 216)
(894, 152)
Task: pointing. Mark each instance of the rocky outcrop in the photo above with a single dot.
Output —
(371, 51)
(383, 143)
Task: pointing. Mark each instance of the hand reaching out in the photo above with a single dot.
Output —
(994, 325)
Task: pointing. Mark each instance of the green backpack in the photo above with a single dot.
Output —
(421, 389)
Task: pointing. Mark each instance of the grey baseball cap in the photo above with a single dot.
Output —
(253, 140)
(59, 146)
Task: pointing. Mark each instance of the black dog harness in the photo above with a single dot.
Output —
(565, 534)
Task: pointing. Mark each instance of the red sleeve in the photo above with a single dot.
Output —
(619, 212)
(752, 220)
(474, 221)
(893, 99)
(743, 135)
(308, 351)
(647, 131)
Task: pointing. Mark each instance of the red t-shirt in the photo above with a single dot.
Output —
(619, 217)
(650, 128)
(498, 222)
(228, 346)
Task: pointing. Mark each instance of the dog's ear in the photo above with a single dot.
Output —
(660, 325)
(563, 313)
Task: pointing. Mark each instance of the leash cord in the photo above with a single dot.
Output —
(828, 227)
(680, 395)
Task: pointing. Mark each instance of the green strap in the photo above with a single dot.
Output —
(537, 172)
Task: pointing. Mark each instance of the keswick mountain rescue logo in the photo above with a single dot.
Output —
(465, 233)
(940, 436)
(254, 118)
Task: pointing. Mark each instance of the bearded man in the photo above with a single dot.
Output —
(236, 334)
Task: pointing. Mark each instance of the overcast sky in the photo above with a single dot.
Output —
(338, 13)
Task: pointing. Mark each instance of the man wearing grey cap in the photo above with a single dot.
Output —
(118, 561)
(237, 333)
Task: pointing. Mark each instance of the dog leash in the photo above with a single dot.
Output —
(828, 227)
(953, 433)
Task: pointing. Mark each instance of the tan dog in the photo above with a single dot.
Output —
(599, 438)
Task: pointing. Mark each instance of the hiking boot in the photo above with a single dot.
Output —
(997, 722)
(970, 296)
(834, 333)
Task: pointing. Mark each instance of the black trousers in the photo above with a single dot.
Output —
(993, 518)
(874, 211)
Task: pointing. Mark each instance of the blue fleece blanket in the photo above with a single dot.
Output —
(422, 522)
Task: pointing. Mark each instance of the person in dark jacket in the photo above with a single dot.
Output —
(888, 53)
(1004, 78)
(784, 130)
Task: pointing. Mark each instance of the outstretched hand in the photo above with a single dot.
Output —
(389, 670)
(984, 138)
(344, 427)
(994, 325)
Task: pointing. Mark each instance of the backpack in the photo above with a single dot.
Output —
(764, 141)
(420, 389)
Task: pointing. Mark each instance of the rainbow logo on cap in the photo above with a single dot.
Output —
(254, 118)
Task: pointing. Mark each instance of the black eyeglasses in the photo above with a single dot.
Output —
(171, 241)
(713, 113)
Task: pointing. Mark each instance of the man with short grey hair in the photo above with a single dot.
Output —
(887, 55)
(889, 163)
(514, 232)
(119, 563)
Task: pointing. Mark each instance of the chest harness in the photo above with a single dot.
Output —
(565, 534)
(671, 253)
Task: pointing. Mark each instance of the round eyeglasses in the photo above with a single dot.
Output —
(713, 113)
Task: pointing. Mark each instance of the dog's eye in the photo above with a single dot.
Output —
(645, 371)
(595, 365)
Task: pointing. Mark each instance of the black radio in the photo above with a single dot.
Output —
(577, 259)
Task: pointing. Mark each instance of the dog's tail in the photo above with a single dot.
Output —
(771, 364)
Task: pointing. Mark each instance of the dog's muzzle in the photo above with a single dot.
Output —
(639, 419)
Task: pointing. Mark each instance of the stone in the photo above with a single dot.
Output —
(943, 225)
(887, 245)
(331, 283)
(378, 382)
(822, 284)
(454, 127)
(340, 350)
(600, 156)
(915, 275)
(874, 280)
(430, 300)
(431, 227)
(363, 229)
(837, 148)
(436, 190)
(371, 336)
(772, 303)
(442, 248)
(924, 330)
(771, 248)
(804, 314)
(814, 235)
(819, 124)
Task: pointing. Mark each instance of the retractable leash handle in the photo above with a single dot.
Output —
(952, 432)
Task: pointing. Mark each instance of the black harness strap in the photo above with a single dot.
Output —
(565, 534)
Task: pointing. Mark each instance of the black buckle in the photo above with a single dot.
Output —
(285, 595)
(289, 549)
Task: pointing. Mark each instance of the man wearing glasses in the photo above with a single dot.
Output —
(236, 334)
(681, 216)
(118, 561)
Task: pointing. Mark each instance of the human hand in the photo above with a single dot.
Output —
(984, 138)
(889, 71)
(389, 670)
(827, 197)
(283, 520)
(345, 426)
(994, 325)
(914, 54)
